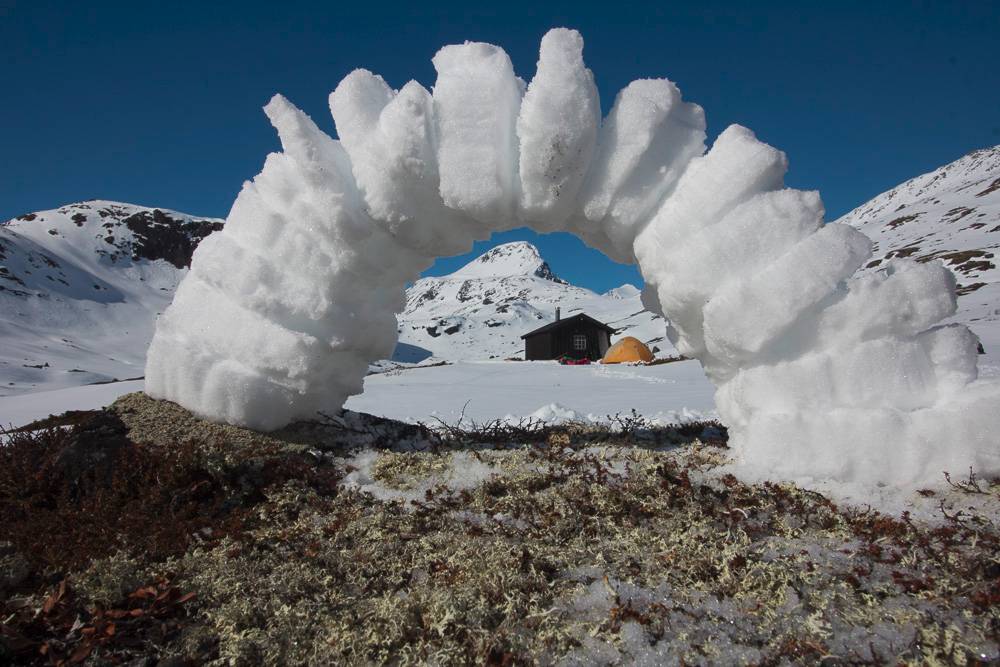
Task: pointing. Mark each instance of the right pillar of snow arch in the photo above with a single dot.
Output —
(821, 371)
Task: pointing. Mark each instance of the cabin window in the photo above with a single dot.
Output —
(579, 342)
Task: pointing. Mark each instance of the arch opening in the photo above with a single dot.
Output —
(821, 370)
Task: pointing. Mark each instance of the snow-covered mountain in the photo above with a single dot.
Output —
(81, 285)
(482, 310)
(951, 214)
(80, 288)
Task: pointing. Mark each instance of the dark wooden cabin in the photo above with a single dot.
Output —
(579, 337)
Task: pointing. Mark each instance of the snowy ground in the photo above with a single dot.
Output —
(542, 389)
(485, 390)
(25, 408)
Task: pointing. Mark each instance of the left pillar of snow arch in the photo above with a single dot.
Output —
(284, 307)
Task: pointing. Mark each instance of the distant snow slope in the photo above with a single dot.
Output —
(80, 287)
(482, 310)
(951, 214)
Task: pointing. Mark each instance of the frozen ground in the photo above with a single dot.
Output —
(485, 390)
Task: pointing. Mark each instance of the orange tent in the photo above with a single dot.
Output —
(626, 350)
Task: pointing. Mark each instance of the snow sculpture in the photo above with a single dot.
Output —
(821, 371)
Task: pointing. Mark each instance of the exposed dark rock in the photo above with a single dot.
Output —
(968, 289)
(902, 220)
(903, 252)
(956, 214)
(158, 236)
(464, 291)
(7, 275)
(994, 186)
(15, 292)
(964, 261)
(424, 297)
(545, 272)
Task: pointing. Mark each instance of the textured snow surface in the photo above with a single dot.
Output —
(23, 409)
(469, 391)
(283, 310)
(80, 289)
(543, 390)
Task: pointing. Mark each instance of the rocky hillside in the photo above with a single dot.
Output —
(80, 288)
(951, 214)
(482, 310)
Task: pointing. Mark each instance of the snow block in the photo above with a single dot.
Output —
(557, 130)
(747, 315)
(645, 145)
(477, 100)
(390, 139)
(902, 299)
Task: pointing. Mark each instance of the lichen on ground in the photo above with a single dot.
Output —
(567, 546)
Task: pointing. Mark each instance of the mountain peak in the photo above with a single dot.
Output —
(519, 258)
(626, 291)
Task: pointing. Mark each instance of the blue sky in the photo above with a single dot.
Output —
(159, 103)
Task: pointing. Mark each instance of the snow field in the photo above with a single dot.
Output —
(484, 391)
(478, 391)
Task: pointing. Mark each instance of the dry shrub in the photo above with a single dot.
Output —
(622, 429)
(66, 499)
(69, 630)
(68, 496)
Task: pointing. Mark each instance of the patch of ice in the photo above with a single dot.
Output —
(464, 471)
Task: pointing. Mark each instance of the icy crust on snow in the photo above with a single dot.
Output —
(821, 371)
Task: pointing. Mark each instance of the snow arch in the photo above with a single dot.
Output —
(819, 370)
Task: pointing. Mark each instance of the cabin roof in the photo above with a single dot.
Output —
(575, 319)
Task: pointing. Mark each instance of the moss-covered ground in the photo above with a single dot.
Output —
(360, 541)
